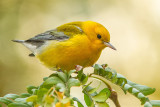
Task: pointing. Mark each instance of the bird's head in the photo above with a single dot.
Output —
(98, 34)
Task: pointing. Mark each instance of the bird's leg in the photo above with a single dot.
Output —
(59, 70)
(78, 67)
(104, 66)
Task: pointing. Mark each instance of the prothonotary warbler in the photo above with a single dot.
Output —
(71, 44)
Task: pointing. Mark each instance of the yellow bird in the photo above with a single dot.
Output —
(71, 44)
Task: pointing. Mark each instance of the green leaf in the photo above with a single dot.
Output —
(51, 81)
(104, 104)
(35, 91)
(102, 96)
(20, 100)
(32, 98)
(114, 76)
(78, 102)
(142, 98)
(41, 94)
(80, 73)
(94, 89)
(49, 100)
(121, 80)
(53, 75)
(30, 104)
(140, 95)
(109, 74)
(85, 86)
(63, 76)
(135, 91)
(147, 104)
(84, 81)
(24, 95)
(87, 89)
(11, 96)
(18, 105)
(97, 67)
(60, 87)
(87, 97)
(45, 78)
(142, 88)
(155, 103)
(29, 89)
(5, 100)
(127, 87)
(70, 72)
(65, 100)
(73, 82)
(48, 105)
(82, 77)
(0, 105)
(99, 70)
(87, 100)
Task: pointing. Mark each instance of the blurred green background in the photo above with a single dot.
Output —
(134, 26)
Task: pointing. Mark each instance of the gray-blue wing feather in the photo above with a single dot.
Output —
(40, 39)
(50, 35)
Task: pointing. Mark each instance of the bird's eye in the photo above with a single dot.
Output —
(99, 36)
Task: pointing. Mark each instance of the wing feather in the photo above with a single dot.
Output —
(49, 35)
(61, 33)
(40, 39)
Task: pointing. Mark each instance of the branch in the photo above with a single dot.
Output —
(113, 96)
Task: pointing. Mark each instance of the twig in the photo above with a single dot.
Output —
(113, 96)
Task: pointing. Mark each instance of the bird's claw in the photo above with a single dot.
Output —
(78, 67)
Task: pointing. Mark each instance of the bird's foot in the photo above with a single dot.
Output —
(59, 70)
(78, 67)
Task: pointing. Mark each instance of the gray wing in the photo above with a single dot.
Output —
(49, 35)
(40, 39)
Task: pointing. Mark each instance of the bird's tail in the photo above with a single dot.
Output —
(29, 45)
(18, 41)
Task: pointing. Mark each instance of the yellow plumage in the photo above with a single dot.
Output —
(76, 43)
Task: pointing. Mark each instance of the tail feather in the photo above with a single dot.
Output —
(31, 45)
(19, 41)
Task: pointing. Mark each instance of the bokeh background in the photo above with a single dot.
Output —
(134, 26)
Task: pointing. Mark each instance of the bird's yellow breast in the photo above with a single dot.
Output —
(78, 50)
